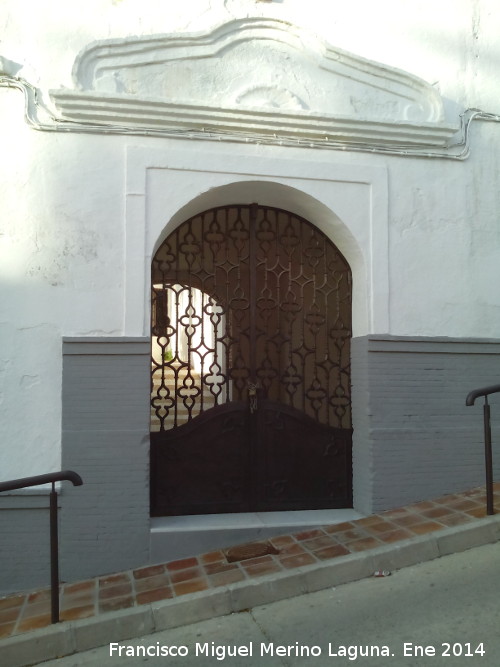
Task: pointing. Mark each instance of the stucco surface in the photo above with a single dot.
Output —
(75, 263)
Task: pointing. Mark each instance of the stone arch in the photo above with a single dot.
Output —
(280, 435)
(279, 195)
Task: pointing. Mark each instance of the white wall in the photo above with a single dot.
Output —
(65, 205)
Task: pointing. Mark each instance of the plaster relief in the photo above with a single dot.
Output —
(252, 75)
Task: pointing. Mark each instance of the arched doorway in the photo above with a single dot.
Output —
(251, 329)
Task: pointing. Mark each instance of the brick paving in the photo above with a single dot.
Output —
(84, 599)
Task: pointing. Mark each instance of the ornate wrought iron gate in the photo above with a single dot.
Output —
(251, 328)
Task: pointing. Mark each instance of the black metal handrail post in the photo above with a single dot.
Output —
(54, 557)
(488, 454)
(488, 457)
(23, 483)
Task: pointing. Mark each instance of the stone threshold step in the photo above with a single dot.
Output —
(180, 536)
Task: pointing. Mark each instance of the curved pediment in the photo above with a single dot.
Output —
(252, 75)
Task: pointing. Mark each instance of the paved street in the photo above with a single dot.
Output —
(449, 606)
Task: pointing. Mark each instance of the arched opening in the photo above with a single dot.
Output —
(251, 329)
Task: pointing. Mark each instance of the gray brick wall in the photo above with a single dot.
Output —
(414, 438)
(24, 541)
(105, 438)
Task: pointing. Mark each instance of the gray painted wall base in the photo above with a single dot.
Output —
(414, 438)
(105, 438)
(24, 542)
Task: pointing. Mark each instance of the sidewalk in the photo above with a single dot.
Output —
(149, 599)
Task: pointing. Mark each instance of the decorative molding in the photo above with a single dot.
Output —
(347, 202)
(106, 345)
(255, 76)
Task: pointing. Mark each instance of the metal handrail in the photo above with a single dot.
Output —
(488, 455)
(485, 391)
(36, 480)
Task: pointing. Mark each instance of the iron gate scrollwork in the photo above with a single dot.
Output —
(250, 383)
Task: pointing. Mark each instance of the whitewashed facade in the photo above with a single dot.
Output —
(376, 122)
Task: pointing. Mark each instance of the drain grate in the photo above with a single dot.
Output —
(250, 550)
